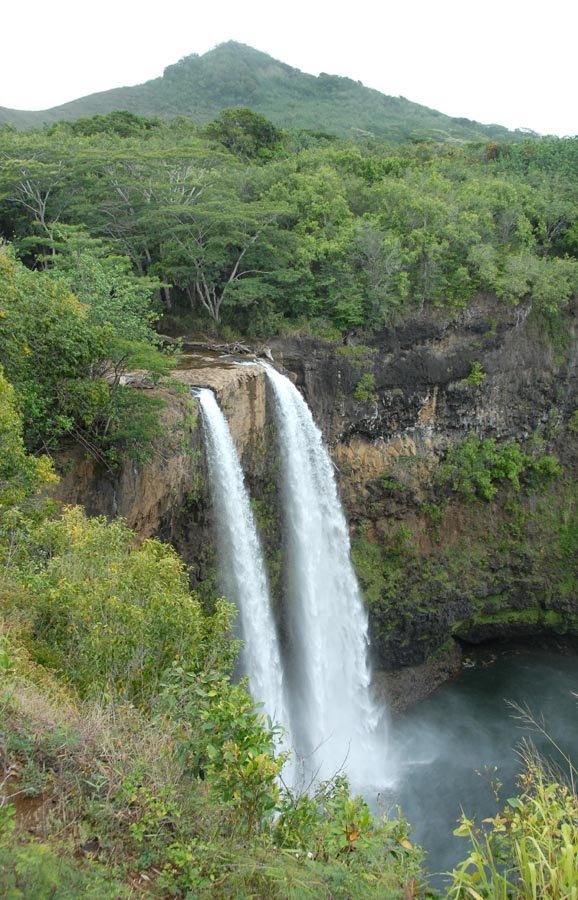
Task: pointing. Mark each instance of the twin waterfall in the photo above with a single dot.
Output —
(317, 685)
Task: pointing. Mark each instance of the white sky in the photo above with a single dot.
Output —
(511, 62)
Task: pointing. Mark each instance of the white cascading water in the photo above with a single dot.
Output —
(336, 724)
(242, 565)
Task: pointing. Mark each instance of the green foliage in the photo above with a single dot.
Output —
(383, 263)
(111, 615)
(365, 389)
(7, 815)
(475, 468)
(331, 826)
(65, 357)
(357, 352)
(477, 375)
(229, 742)
(120, 123)
(46, 341)
(22, 479)
(380, 569)
(22, 476)
(529, 850)
(34, 871)
(392, 485)
(349, 234)
(435, 512)
(134, 425)
(104, 282)
(186, 798)
(245, 133)
(541, 470)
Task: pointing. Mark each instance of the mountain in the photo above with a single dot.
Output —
(234, 74)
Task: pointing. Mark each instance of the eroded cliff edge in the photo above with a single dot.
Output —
(167, 495)
(436, 567)
(438, 570)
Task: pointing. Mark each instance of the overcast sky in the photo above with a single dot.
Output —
(511, 62)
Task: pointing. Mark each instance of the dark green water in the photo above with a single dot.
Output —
(454, 745)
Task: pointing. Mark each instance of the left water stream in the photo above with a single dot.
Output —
(242, 565)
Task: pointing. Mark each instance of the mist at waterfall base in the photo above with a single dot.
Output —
(456, 744)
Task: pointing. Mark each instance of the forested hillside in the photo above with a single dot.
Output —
(234, 75)
(257, 229)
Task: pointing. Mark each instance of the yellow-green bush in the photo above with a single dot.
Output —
(21, 476)
(112, 614)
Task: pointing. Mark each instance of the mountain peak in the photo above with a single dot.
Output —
(233, 74)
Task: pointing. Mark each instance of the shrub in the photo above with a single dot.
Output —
(365, 389)
(228, 741)
(33, 871)
(65, 355)
(367, 856)
(474, 468)
(21, 476)
(112, 615)
(477, 375)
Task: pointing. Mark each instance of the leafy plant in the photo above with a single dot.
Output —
(332, 826)
(34, 871)
(65, 356)
(365, 389)
(22, 476)
(477, 375)
(475, 468)
(237, 752)
(530, 849)
(113, 615)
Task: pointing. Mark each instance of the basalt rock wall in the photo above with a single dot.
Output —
(437, 572)
(167, 495)
(422, 374)
(440, 572)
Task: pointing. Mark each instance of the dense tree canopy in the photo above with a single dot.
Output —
(253, 229)
(64, 351)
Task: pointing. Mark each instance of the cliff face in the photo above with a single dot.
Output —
(167, 496)
(148, 495)
(423, 377)
(434, 568)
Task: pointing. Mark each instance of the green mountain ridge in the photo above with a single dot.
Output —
(234, 74)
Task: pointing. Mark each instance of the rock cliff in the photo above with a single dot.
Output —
(437, 570)
(434, 567)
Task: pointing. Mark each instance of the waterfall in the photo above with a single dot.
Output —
(242, 565)
(336, 724)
